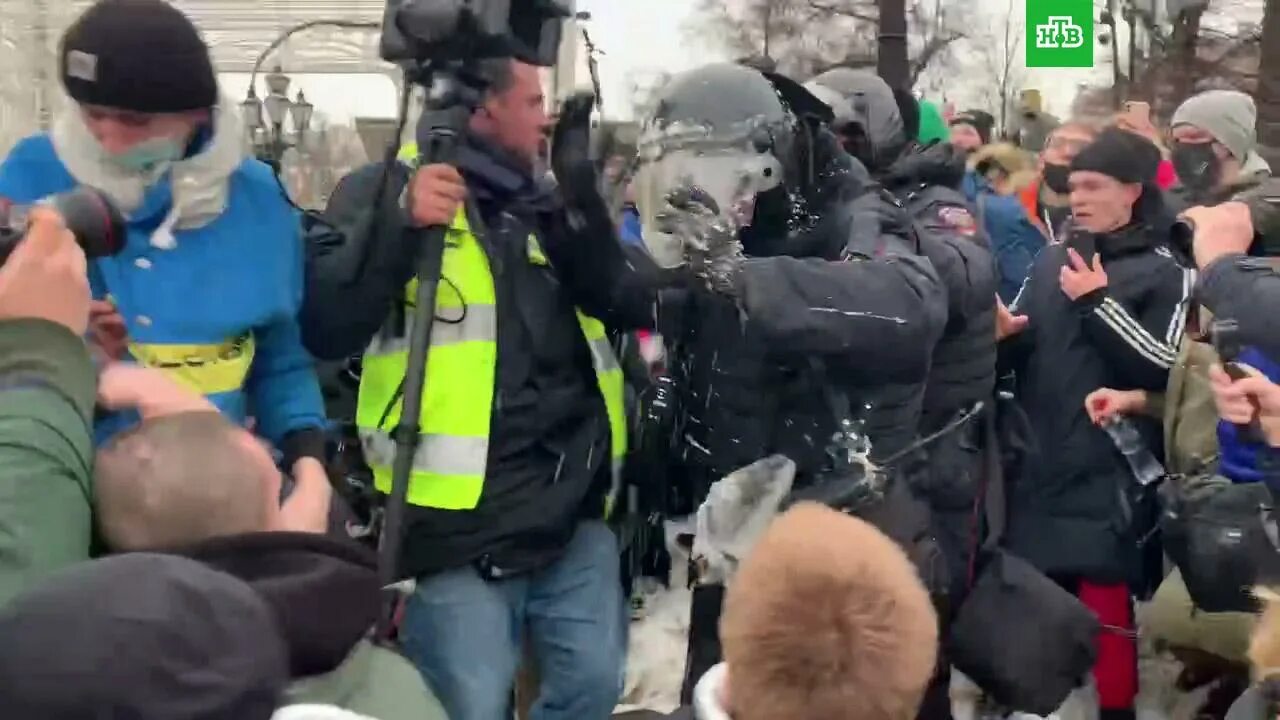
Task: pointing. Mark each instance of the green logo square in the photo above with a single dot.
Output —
(1059, 33)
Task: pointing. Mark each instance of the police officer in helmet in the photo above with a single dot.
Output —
(872, 123)
(789, 306)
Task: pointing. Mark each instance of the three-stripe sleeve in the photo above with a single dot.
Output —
(1139, 336)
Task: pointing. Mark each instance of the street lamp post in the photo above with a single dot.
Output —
(267, 131)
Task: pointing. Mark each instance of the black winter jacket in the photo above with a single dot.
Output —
(1241, 287)
(927, 181)
(547, 466)
(745, 368)
(1066, 512)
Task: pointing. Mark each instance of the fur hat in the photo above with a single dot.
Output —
(827, 618)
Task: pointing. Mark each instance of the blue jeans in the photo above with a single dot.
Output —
(465, 634)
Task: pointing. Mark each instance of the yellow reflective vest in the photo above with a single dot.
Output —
(457, 402)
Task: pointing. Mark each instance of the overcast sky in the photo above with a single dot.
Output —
(640, 38)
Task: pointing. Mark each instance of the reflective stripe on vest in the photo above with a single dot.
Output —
(408, 154)
(457, 404)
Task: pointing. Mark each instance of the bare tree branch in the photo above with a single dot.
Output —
(865, 12)
(933, 47)
(804, 36)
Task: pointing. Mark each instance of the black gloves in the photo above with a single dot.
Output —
(710, 242)
(575, 170)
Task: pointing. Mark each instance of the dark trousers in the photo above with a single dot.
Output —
(704, 637)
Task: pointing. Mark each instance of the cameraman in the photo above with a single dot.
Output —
(47, 391)
(1234, 194)
(505, 528)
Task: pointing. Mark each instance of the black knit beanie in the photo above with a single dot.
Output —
(139, 55)
(1123, 155)
(980, 120)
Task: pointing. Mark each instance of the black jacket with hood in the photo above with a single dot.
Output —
(547, 465)
(927, 180)
(141, 636)
(746, 371)
(326, 597)
(876, 125)
(1067, 512)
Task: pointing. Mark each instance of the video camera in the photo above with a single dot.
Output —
(421, 31)
(440, 44)
(97, 224)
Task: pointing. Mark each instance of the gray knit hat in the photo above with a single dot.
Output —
(1228, 115)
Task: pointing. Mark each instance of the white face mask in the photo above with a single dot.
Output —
(148, 156)
(732, 177)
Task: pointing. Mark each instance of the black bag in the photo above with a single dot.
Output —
(1020, 636)
(1221, 537)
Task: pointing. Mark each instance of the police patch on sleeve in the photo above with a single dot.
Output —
(958, 219)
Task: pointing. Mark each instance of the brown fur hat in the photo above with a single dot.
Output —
(828, 619)
(1264, 645)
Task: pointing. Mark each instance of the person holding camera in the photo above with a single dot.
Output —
(208, 283)
(47, 390)
(524, 428)
(1235, 219)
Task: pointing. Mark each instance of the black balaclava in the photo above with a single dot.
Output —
(866, 113)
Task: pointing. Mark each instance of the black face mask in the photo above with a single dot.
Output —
(769, 230)
(1197, 165)
(1057, 177)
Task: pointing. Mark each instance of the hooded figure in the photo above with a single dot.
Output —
(806, 289)
(926, 180)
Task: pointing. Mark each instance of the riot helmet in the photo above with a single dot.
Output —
(730, 131)
(866, 115)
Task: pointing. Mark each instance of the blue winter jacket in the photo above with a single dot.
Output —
(1015, 240)
(216, 307)
(630, 230)
(1239, 459)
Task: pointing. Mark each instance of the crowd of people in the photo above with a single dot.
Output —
(933, 409)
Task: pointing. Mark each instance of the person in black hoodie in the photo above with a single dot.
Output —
(926, 180)
(1106, 308)
(876, 126)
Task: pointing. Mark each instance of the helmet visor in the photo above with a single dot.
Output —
(731, 171)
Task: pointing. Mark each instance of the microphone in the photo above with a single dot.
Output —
(96, 223)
